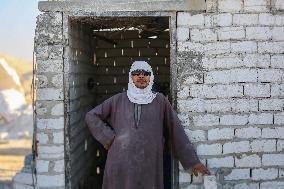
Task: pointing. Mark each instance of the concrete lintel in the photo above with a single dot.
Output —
(106, 6)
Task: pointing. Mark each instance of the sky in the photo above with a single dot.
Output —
(17, 27)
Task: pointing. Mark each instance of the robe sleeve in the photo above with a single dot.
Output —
(96, 121)
(182, 147)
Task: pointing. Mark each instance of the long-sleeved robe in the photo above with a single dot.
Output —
(135, 157)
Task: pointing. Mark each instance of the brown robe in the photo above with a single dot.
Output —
(135, 157)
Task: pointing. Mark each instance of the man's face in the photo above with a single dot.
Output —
(141, 80)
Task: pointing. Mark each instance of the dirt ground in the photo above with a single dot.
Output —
(12, 156)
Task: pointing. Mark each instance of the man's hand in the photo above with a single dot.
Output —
(200, 168)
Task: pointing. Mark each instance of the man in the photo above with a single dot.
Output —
(130, 125)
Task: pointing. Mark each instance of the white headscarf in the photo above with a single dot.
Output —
(136, 95)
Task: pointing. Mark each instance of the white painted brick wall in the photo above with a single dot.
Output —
(277, 61)
(257, 60)
(248, 161)
(226, 33)
(196, 135)
(277, 132)
(271, 104)
(216, 91)
(182, 34)
(205, 120)
(271, 47)
(256, 5)
(270, 75)
(264, 174)
(272, 184)
(203, 35)
(186, 19)
(279, 118)
(245, 19)
(261, 119)
(225, 19)
(258, 33)
(257, 90)
(280, 145)
(236, 147)
(233, 120)
(244, 47)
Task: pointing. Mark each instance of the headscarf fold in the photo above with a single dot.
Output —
(136, 95)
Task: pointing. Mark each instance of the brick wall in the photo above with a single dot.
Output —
(230, 96)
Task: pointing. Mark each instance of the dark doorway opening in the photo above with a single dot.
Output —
(103, 49)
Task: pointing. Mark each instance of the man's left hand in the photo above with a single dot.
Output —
(200, 168)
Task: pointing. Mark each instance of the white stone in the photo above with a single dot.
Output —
(196, 135)
(205, 120)
(221, 162)
(227, 33)
(244, 46)
(216, 48)
(49, 94)
(216, 91)
(257, 60)
(182, 34)
(42, 166)
(221, 134)
(54, 66)
(277, 90)
(230, 5)
(23, 178)
(247, 186)
(257, 90)
(262, 118)
(203, 35)
(238, 174)
(270, 75)
(58, 137)
(222, 19)
(266, 19)
(236, 147)
(233, 119)
(250, 132)
(223, 105)
(51, 149)
(277, 61)
(58, 109)
(245, 19)
(191, 105)
(56, 123)
(277, 33)
(271, 47)
(273, 159)
(256, 5)
(210, 182)
(42, 138)
(190, 46)
(59, 166)
(244, 105)
(277, 132)
(264, 174)
(50, 180)
(280, 145)
(279, 4)
(258, 33)
(279, 118)
(186, 19)
(209, 149)
(57, 80)
(272, 184)
(271, 104)
(248, 161)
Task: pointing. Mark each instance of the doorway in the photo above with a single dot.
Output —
(102, 49)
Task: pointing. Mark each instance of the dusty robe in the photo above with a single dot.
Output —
(135, 158)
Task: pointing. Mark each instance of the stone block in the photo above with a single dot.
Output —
(280, 145)
(245, 19)
(49, 94)
(51, 123)
(230, 5)
(277, 33)
(196, 135)
(249, 132)
(271, 104)
(244, 47)
(247, 186)
(256, 5)
(233, 119)
(216, 91)
(257, 90)
(245, 105)
(203, 35)
(264, 174)
(238, 174)
(58, 137)
(270, 75)
(210, 182)
(209, 149)
(277, 90)
(248, 161)
(261, 119)
(231, 33)
(272, 184)
(58, 109)
(54, 66)
(51, 180)
(205, 120)
(187, 19)
(277, 132)
(277, 61)
(256, 60)
(216, 48)
(42, 138)
(279, 118)
(221, 19)
(221, 134)
(182, 34)
(258, 33)
(236, 147)
(221, 162)
(42, 166)
(59, 166)
(271, 47)
(273, 159)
